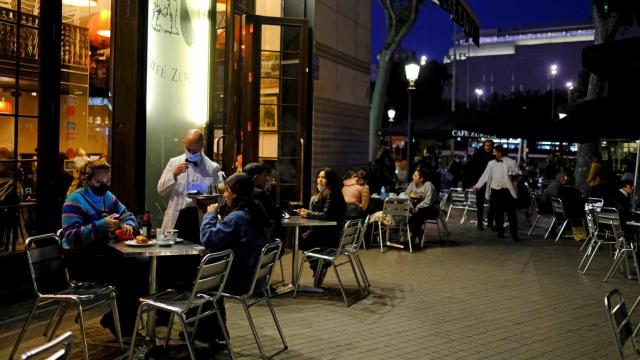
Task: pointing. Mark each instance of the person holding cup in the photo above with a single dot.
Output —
(189, 173)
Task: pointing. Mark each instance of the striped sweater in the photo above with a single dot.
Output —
(82, 222)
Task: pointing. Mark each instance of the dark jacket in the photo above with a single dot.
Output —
(238, 233)
(623, 204)
(479, 161)
(572, 202)
(271, 210)
(329, 206)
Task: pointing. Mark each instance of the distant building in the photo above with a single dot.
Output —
(517, 60)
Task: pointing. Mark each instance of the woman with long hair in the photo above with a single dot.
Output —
(356, 193)
(242, 227)
(327, 203)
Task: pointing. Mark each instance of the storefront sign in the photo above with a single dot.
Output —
(469, 134)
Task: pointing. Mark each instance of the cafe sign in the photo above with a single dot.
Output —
(469, 134)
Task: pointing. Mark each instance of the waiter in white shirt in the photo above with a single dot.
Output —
(500, 176)
(191, 171)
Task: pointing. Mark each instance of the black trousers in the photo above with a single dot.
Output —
(501, 202)
(418, 218)
(480, 200)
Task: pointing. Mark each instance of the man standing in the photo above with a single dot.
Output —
(189, 172)
(499, 178)
(479, 162)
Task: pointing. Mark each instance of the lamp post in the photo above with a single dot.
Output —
(569, 86)
(391, 113)
(411, 71)
(554, 72)
(479, 93)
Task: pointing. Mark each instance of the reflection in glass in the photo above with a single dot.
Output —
(271, 37)
(269, 64)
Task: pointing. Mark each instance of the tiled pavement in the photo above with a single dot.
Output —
(480, 298)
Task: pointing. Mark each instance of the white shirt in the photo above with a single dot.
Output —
(195, 178)
(496, 176)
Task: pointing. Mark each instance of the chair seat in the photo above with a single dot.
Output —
(172, 300)
(87, 291)
(325, 254)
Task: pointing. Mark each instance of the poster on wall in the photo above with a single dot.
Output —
(177, 80)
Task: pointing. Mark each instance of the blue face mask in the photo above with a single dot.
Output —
(194, 157)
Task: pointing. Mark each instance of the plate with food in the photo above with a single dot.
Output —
(140, 241)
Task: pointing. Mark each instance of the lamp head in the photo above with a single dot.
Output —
(479, 92)
(391, 113)
(554, 70)
(412, 71)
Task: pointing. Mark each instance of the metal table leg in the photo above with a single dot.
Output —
(294, 259)
(153, 288)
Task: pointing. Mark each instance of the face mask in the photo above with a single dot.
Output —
(100, 190)
(194, 157)
(321, 188)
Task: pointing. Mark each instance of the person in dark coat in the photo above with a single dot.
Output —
(622, 200)
(327, 203)
(258, 174)
(242, 228)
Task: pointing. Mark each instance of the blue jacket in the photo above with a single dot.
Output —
(238, 233)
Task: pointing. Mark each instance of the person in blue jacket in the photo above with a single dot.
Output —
(242, 227)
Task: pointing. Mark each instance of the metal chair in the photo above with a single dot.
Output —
(400, 210)
(597, 203)
(58, 349)
(604, 218)
(207, 289)
(559, 218)
(260, 285)
(348, 240)
(471, 204)
(458, 200)
(438, 221)
(623, 248)
(620, 319)
(592, 227)
(353, 252)
(52, 285)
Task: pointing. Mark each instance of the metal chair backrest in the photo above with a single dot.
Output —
(444, 196)
(397, 207)
(608, 216)
(62, 343)
(592, 226)
(363, 230)
(265, 266)
(558, 208)
(48, 272)
(597, 203)
(620, 320)
(212, 275)
(458, 198)
(472, 198)
(350, 236)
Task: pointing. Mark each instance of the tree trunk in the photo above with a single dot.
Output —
(605, 30)
(378, 102)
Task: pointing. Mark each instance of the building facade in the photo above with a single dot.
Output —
(284, 82)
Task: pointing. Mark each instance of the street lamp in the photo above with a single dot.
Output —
(554, 72)
(569, 86)
(479, 93)
(423, 60)
(411, 71)
(391, 113)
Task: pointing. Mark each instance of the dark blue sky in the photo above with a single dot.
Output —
(432, 32)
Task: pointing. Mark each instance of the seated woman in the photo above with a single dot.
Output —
(356, 194)
(327, 203)
(90, 215)
(424, 203)
(245, 229)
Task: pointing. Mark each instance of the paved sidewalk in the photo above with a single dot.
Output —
(480, 298)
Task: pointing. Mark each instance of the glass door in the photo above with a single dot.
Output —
(277, 100)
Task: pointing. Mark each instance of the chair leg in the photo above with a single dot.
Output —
(253, 328)
(344, 295)
(83, 332)
(380, 236)
(275, 320)
(410, 240)
(65, 307)
(52, 320)
(365, 278)
(196, 323)
(24, 329)
(225, 333)
(587, 253)
(585, 242)
(593, 254)
(533, 226)
(444, 225)
(617, 261)
(169, 328)
(295, 289)
(464, 215)
(135, 331)
(449, 213)
(116, 320)
(187, 340)
(561, 231)
(355, 275)
(550, 227)
(635, 262)
(281, 269)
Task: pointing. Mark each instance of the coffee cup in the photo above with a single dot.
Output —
(170, 235)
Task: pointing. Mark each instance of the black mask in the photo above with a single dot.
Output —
(100, 190)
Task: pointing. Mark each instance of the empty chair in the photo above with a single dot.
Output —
(57, 349)
(259, 289)
(604, 218)
(207, 288)
(400, 211)
(348, 240)
(472, 204)
(620, 319)
(623, 249)
(353, 252)
(559, 218)
(52, 285)
(597, 203)
(457, 200)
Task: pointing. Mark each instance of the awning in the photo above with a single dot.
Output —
(461, 123)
